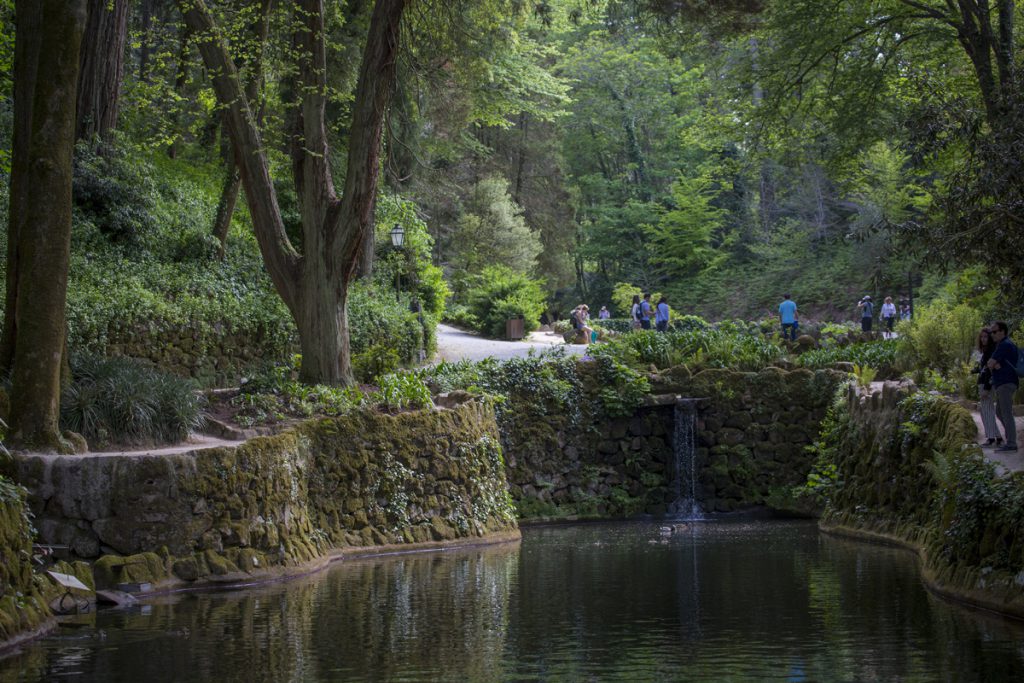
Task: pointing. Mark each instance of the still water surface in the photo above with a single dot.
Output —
(765, 601)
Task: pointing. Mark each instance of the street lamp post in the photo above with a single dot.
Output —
(397, 240)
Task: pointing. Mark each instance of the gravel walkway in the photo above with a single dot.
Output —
(1009, 462)
(455, 345)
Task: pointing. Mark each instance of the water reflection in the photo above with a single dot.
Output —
(707, 602)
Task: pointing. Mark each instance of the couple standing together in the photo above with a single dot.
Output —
(641, 313)
(998, 358)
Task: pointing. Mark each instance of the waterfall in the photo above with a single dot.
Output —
(684, 450)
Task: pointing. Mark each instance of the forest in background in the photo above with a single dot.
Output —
(720, 153)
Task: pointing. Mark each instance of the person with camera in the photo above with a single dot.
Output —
(1003, 364)
(867, 310)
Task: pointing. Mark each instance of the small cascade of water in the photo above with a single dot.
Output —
(684, 448)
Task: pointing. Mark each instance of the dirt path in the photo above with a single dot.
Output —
(455, 345)
(1007, 462)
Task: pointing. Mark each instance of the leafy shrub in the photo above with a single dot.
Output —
(707, 348)
(275, 394)
(620, 325)
(622, 389)
(499, 294)
(622, 298)
(403, 390)
(881, 354)
(460, 315)
(378, 319)
(865, 374)
(940, 336)
(375, 361)
(123, 401)
(114, 192)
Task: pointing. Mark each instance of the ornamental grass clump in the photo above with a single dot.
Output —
(122, 401)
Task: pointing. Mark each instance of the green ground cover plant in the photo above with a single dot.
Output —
(882, 355)
(121, 401)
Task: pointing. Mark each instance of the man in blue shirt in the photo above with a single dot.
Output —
(661, 315)
(1003, 364)
(645, 312)
(787, 314)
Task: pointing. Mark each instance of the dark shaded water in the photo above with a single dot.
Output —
(613, 602)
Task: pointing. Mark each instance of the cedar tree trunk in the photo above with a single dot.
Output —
(314, 284)
(101, 67)
(48, 37)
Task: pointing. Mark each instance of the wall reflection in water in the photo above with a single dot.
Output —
(704, 602)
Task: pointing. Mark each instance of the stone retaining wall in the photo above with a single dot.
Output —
(213, 356)
(368, 479)
(23, 609)
(752, 432)
(909, 471)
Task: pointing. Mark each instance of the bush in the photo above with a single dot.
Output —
(114, 192)
(123, 401)
(709, 348)
(499, 294)
(403, 390)
(881, 355)
(940, 337)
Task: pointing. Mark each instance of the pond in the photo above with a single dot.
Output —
(710, 601)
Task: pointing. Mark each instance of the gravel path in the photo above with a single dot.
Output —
(1010, 462)
(455, 345)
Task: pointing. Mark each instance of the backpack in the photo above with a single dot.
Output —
(635, 313)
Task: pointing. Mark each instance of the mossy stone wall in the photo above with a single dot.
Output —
(367, 479)
(212, 355)
(909, 470)
(752, 432)
(23, 607)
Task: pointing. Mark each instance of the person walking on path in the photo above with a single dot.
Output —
(604, 313)
(661, 315)
(1003, 364)
(788, 317)
(984, 347)
(888, 317)
(645, 312)
(867, 309)
(634, 312)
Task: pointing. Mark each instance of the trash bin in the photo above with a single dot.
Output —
(514, 328)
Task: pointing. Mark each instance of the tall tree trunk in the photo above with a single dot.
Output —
(144, 49)
(314, 285)
(258, 30)
(180, 79)
(101, 67)
(48, 36)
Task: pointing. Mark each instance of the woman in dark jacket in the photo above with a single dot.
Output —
(986, 398)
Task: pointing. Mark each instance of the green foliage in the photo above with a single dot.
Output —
(274, 394)
(697, 348)
(541, 383)
(865, 375)
(622, 299)
(622, 389)
(498, 293)
(940, 336)
(404, 391)
(492, 229)
(823, 478)
(122, 401)
(114, 192)
(380, 323)
(881, 354)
